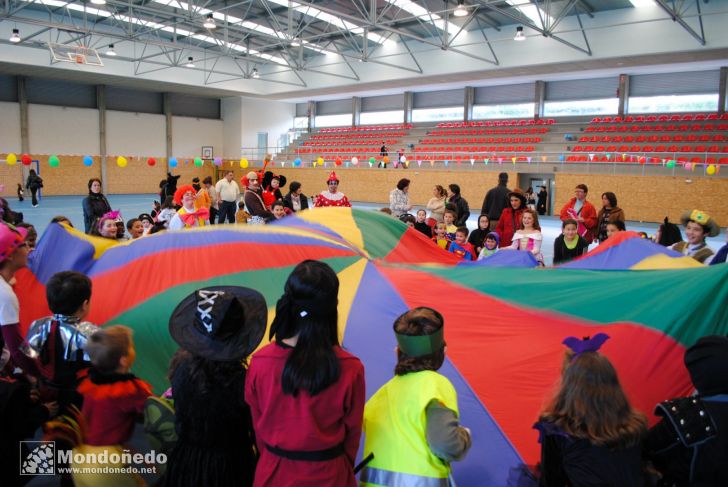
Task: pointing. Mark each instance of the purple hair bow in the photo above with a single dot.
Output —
(586, 344)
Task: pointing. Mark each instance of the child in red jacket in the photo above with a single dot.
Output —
(113, 399)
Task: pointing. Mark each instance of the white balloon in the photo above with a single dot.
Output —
(355, 160)
(403, 159)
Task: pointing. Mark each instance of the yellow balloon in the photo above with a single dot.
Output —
(12, 159)
(320, 161)
(710, 170)
(243, 163)
(121, 161)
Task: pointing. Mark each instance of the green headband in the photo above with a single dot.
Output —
(419, 345)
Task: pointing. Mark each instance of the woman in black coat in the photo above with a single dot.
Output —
(95, 205)
(295, 200)
(33, 184)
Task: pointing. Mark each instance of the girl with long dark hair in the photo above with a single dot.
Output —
(590, 434)
(306, 393)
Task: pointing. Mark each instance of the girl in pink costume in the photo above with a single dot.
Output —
(528, 236)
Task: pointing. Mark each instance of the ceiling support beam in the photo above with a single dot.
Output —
(678, 17)
(542, 30)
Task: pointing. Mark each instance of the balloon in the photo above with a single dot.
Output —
(320, 161)
(151, 161)
(670, 163)
(88, 161)
(561, 158)
(26, 160)
(688, 165)
(243, 163)
(198, 162)
(11, 159)
(403, 159)
(121, 161)
(337, 161)
(372, 160)
(385, 159)
(355, 160)
(218, 161)
(173, 162)
(53, 161)
(643, 160)
(710, 170)
(297, 162)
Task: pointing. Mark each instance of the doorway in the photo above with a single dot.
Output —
(538, 181)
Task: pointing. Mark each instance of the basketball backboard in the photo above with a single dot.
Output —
(69, 53)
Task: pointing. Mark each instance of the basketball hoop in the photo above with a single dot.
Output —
(80, 58)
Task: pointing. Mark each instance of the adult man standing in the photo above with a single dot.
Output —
(227, 196)
(541, 204)
(495, 200)
(579, 209)
(253, 197)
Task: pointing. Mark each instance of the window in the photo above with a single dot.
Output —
(333, 120)
(604, 106)
(376, 118)
(438, 114)
(674, 103)
(519, 110)
(300, 123)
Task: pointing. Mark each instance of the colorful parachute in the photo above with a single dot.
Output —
(628, 250)
(504, 326)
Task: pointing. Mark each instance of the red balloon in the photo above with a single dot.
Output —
(151, 161)
(26, 160)
(337, 161)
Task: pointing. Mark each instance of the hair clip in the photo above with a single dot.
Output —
(303, 314)
(586, 344)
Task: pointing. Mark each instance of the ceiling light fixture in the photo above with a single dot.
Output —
(295, 42)
(110, 50)
(98, 2)
(256, 74)
(190, 62)
(460, 11)
(209, 22)
(519, 34)
(15, 38)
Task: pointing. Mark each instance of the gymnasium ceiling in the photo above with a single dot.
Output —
(293, 51)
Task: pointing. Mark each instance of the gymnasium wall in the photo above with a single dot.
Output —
(649, 199)
(132, 132)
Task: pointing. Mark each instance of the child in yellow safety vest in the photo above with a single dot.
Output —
(402, 449)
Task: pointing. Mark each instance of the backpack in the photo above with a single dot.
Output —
(159, 423)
